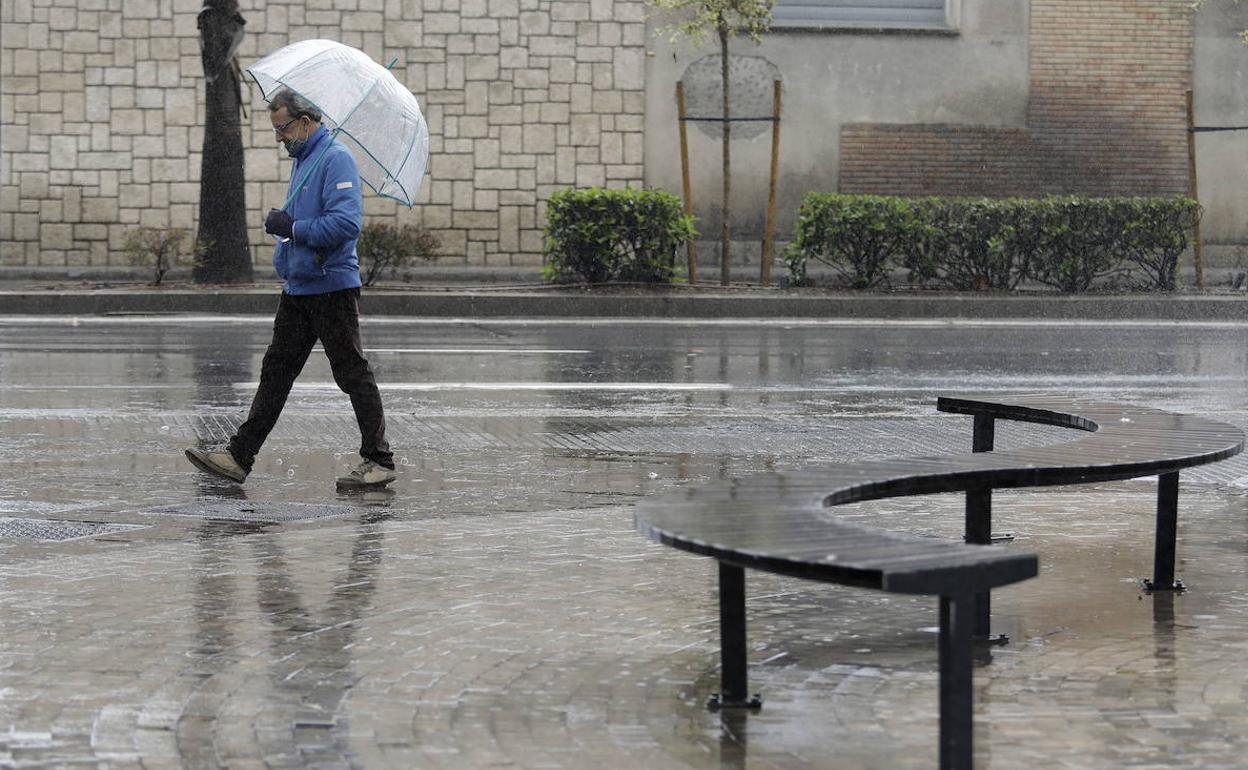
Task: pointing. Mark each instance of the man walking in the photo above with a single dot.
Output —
(316, 258)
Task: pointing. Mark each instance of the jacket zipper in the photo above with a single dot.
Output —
(292, 172)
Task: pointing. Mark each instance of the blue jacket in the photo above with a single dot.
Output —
(328, 211)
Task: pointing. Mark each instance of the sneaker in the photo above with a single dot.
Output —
(367, 474)
(219, 462)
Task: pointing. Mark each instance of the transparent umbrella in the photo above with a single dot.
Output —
(369, 111)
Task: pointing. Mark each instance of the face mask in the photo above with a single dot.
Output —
(294, 145)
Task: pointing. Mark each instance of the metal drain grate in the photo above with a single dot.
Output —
(51, 530)
(244, 510)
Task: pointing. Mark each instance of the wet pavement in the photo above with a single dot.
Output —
(497, 609)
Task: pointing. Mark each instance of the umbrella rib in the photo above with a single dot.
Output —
(403, 165)
(297, 66)
(281, 78)
(363, 99)
(358, 143)
(373, 157)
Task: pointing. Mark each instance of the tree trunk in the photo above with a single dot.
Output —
(224, 255)
(725, 229)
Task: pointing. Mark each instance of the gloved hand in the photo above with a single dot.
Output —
(279, 223)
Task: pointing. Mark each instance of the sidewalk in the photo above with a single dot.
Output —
(704, 301)
(496, 607)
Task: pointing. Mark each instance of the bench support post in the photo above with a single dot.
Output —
(956, 729)
(979, 528)
(985, 433)
(979, 532)
(1167, 534)
(732, 647)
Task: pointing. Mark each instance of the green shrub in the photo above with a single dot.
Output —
(965, 244)
(386, 247)
(597, 235)
(159, 248)
(1069, 243)
(1080, 241)
(1157, 236)
(857, 235)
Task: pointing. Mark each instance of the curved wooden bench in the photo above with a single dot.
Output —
(780, 522)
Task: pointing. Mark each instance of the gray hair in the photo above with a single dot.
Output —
(295, 105)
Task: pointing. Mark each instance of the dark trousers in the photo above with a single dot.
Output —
(334, 319)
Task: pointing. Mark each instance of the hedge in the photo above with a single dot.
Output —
(598, 235)
(1069, 243)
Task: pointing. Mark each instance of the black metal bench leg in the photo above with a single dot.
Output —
(1167, 534)
(985, 433)
(732, 647)
(979, 528)
(979, 532)
(956, 727)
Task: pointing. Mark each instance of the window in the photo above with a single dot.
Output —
(868, 14)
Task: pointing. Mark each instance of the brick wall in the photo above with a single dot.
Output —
(101, 103)
(1106, 115)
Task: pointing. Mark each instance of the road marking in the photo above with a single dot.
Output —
(486, 322)
(480, 351)
(604, 386)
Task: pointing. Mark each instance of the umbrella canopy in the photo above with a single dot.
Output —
(368, 110)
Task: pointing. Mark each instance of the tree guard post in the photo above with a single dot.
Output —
(1193, 190)
(691, 249)
(765, 269)
(773, 183)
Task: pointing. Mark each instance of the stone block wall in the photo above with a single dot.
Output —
(101, 105)
(1106, 115)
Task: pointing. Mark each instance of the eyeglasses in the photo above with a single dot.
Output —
(279, 130)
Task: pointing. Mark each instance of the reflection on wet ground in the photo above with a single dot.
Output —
(496, 607)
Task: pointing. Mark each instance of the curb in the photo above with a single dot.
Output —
(620, 304)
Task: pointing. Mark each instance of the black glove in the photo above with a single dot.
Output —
(279, 223)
